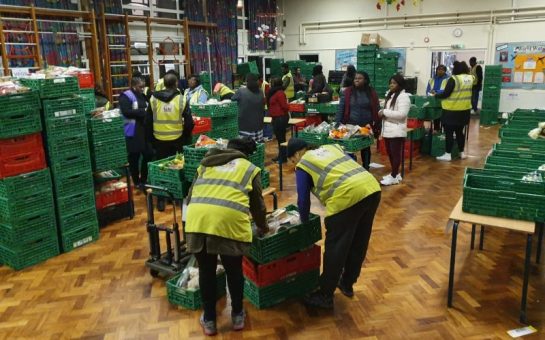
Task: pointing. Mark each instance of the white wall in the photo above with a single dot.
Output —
(475, 36)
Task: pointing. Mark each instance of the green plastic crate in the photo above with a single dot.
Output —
(314, 138)
(286, 242)
(29, 226)
(416, 112)
(32, 253)
(68, 165)
(13, 124)
(353, 144)
(88, 96)
(110, 154)
(65, 127)
(74, 203)
(68, 145)
(24, 206)
(245, 68)
(510, 180)
(416, 134)
(101, 129)
(524, 143)
(371, 47)
(510, 163)
(225, 134)
(53, 88)
(265, 179)
(20, 102)
(215, 110)
(516, 155)
(421, 101)
(225, 123)
(73, 221)
(63, 107)
(499, 196)
(432, 113)
(20, 186)
(325, 108)
(493, 70)
(438, 147)
(191, 299)
(295, 286)
(193, 155)
(73, 184)
(79, 237)
(172, 179)
(258, 157)
(488, 117)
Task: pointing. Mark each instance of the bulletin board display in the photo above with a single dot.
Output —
(523, 64)
(346, 57)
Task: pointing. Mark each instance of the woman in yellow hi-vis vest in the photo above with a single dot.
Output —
(227, 188)
(351, 196)
(456, 107)
(223, 91)
(288, 83)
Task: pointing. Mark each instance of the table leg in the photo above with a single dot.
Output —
(275, 200)
(481, 238)
(473, 227)
(525, 281)
(280, 174)
(541, 226)
(452, 263)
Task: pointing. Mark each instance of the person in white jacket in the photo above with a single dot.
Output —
(394, 126)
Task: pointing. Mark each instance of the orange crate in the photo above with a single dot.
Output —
(86, 80)
(202, 125)
(19, 155)
(270, 273)
(414, 123)
(296, 107)
(114, 197)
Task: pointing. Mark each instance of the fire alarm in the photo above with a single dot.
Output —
(426, 40)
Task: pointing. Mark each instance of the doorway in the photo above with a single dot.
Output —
(448, 58)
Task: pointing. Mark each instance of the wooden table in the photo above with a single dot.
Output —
(292, 122)
(458, 216)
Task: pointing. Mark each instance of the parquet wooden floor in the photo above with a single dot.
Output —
(103, 290)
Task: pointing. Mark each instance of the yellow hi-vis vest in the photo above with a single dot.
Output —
(194, 100)
(224, 90)
(220, 204)
(339, 182)
(168, 122)
(290, 90)
(264, 85)
(460, 98)
(160, 86)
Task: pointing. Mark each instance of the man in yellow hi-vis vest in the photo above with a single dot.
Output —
(172, 122)
(351, 196)
(456, 107)
(288, 83)
(227, 188)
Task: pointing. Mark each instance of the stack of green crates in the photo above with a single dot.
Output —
(365, 60)
(224, 118)
(20, 114)
(244, 68)
(204, 79)
(70, 161)
(385, 68)
(435, 146)
(88, 96)
(276, 67)
(491, 94)
(108, 147)
(28, 232)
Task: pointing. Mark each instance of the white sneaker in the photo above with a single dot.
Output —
(445, 157)
(399, 178)
(463, 155)
(389, 180)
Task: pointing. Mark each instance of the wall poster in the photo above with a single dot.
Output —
(523, 64)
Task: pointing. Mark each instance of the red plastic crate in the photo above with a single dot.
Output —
(269, 273)
(296, 107)
(414, 123)
(310, 120)
(109, 198)
(416, 148)
(86, 80)
(202, 125)
(21, 154)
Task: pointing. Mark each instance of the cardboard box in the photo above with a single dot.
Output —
(370, 39)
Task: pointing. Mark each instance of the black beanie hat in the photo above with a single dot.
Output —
(294, 145)
(246, 145)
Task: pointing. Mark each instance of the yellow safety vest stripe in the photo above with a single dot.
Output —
(168, 124)
(224, 90)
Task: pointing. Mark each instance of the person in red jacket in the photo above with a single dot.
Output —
(278, 110)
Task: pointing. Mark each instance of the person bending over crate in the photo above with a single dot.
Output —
(226, 189)
(351, 196)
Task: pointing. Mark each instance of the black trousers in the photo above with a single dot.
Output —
(164, 149)
(346, 241)
(280, 124)
(366, 158)
(139, 169)
(207, 281)
(475, 98)
(450, 130)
